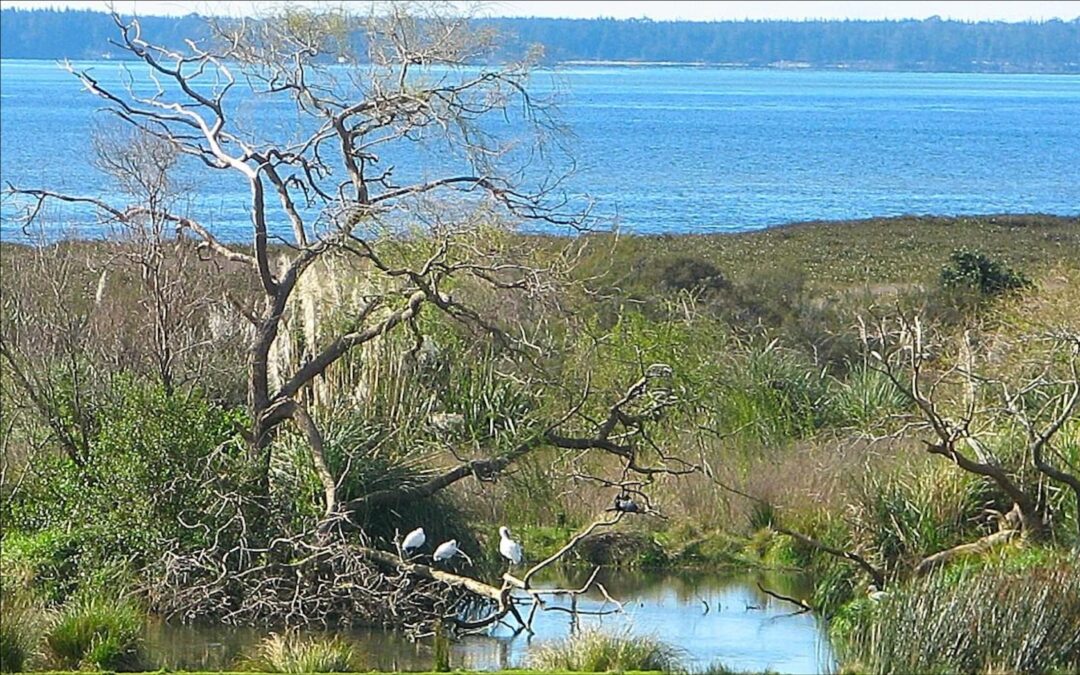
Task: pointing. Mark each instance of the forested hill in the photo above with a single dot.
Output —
(931, 44)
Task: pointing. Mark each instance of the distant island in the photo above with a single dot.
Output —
(926, 45)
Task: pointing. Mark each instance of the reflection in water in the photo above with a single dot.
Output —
(710, 618)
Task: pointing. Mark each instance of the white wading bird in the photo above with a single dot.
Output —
(510, 549)
(874, 594)
(447, 550)
(413, 540)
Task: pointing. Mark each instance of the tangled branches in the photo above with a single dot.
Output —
(297, 583)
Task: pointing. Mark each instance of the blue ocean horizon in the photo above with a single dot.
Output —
(666, 149)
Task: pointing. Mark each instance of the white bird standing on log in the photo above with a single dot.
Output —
(510, 549)
(446, 550)
(414, 540)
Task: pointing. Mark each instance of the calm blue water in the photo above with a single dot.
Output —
(686, 149)
(709, 618)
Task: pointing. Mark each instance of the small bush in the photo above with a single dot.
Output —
(98, 632)
(771, 394)
(289, 652)
(974, 271)
(149, 451)
(596, 652)
(690, 273)
(48, 560)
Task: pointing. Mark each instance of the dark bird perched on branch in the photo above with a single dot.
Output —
(624, 504)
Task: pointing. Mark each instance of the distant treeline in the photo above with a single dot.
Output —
(931, 44)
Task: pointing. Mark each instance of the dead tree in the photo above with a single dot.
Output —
(335, 194)
(74, 315)
(966, 431)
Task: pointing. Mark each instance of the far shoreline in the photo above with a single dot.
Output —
(1026, 220)
(780, 66)
(803, 66)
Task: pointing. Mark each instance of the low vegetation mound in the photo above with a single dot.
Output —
(594, 651)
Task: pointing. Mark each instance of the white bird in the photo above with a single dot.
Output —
(414, 540)
(449, 549)
(510, 549)
(446, 550)
(874, 594)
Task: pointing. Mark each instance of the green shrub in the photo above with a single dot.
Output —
(593, 651)
(147, 467)
(48, 560)
(974, 271)
(288, 652)
(691, 273)
(99, 632)
(366, 456)
(770, 393)
(986, 620)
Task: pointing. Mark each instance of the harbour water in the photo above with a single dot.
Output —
(674, 149)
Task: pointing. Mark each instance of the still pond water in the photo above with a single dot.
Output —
(676, 149)
(710, 618)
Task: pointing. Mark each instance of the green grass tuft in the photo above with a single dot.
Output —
(23, 622)
(97, 632)
(593, 651)
(288, 652)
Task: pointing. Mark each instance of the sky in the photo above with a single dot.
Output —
(668, 10)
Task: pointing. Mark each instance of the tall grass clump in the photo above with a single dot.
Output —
(289, 652)
(593, 651)
(910, 512)
(23, 623)
(97, 632)
(771, 394)
(978, 621)
(866, 398)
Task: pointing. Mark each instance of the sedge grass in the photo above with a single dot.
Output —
(97, 632)
(976, 621)
(289, 652)
(593, 651)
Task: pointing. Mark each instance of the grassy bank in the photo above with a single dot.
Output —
(849, 255)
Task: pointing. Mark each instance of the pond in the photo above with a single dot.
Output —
(711, 618)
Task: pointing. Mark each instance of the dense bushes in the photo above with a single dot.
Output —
(143, 478)
(975, 271)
